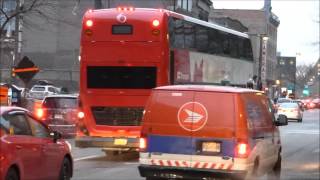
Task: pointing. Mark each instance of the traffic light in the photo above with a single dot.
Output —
(13, 74)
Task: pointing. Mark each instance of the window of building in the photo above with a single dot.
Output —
(184, 4)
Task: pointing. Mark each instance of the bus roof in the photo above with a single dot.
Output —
(187, 18)
(211, 88)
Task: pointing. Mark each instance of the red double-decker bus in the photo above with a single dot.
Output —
(125, 52)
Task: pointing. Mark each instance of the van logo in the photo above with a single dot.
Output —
(192, 116)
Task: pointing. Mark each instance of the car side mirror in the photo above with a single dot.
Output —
(282, 120)
(55, 135)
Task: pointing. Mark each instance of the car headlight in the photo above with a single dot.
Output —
(69, 145)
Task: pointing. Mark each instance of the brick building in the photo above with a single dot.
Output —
(286, 73)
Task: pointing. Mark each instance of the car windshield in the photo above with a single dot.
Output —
(60, 102)
(288, 105)
(38, 88)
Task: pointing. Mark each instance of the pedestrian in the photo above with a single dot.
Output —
(250, 84)
(259, 84)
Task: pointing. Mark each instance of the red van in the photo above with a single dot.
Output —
(203, 132)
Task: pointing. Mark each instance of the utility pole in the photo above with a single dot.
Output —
(18, 32)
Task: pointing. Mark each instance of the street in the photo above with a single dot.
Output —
(300, 156)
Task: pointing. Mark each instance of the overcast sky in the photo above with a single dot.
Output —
(298, 30)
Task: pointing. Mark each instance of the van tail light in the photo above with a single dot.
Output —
(142, 144)
(242, 150)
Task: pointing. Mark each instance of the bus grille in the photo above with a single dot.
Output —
(117, 116)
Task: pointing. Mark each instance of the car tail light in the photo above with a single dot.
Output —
(142, 143)
(40, 113)
(155, 23)
(89, 23)
(242, 149)
(80, 115)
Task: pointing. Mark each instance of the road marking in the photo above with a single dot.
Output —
(87, 157)
(132, 163)
(313, 132)
(316, 150)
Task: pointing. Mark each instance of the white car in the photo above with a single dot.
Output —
(291, 110)
(39, 91)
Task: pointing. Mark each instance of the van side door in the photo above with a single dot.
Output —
(260, 130)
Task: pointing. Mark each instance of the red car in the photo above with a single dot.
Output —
(29, 150)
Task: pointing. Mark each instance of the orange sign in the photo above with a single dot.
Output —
(26, 69)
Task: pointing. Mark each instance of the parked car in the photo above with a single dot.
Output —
(279, 101)
(188, 133)
(291, 110)
(30, 150)
(59, 112)
(39, 91)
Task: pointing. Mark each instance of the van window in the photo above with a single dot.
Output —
(257, 112)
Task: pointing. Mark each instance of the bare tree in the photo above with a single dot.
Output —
(39, 7)
(302, 74)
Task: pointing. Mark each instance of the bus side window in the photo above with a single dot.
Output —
(171, 70)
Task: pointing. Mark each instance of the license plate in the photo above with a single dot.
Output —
(58, 116)
(211, 147)
(120, 142)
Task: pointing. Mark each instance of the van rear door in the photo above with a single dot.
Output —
(169, 143)
(214, 137)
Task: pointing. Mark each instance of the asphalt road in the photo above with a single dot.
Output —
(300, 156)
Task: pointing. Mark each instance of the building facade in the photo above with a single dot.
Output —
(286, 72)
(262, 27)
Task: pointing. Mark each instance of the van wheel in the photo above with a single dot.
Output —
(65, 171)
(276, 171)
(255, 168)
(12, 174)
(154, 178)
(299, 120)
